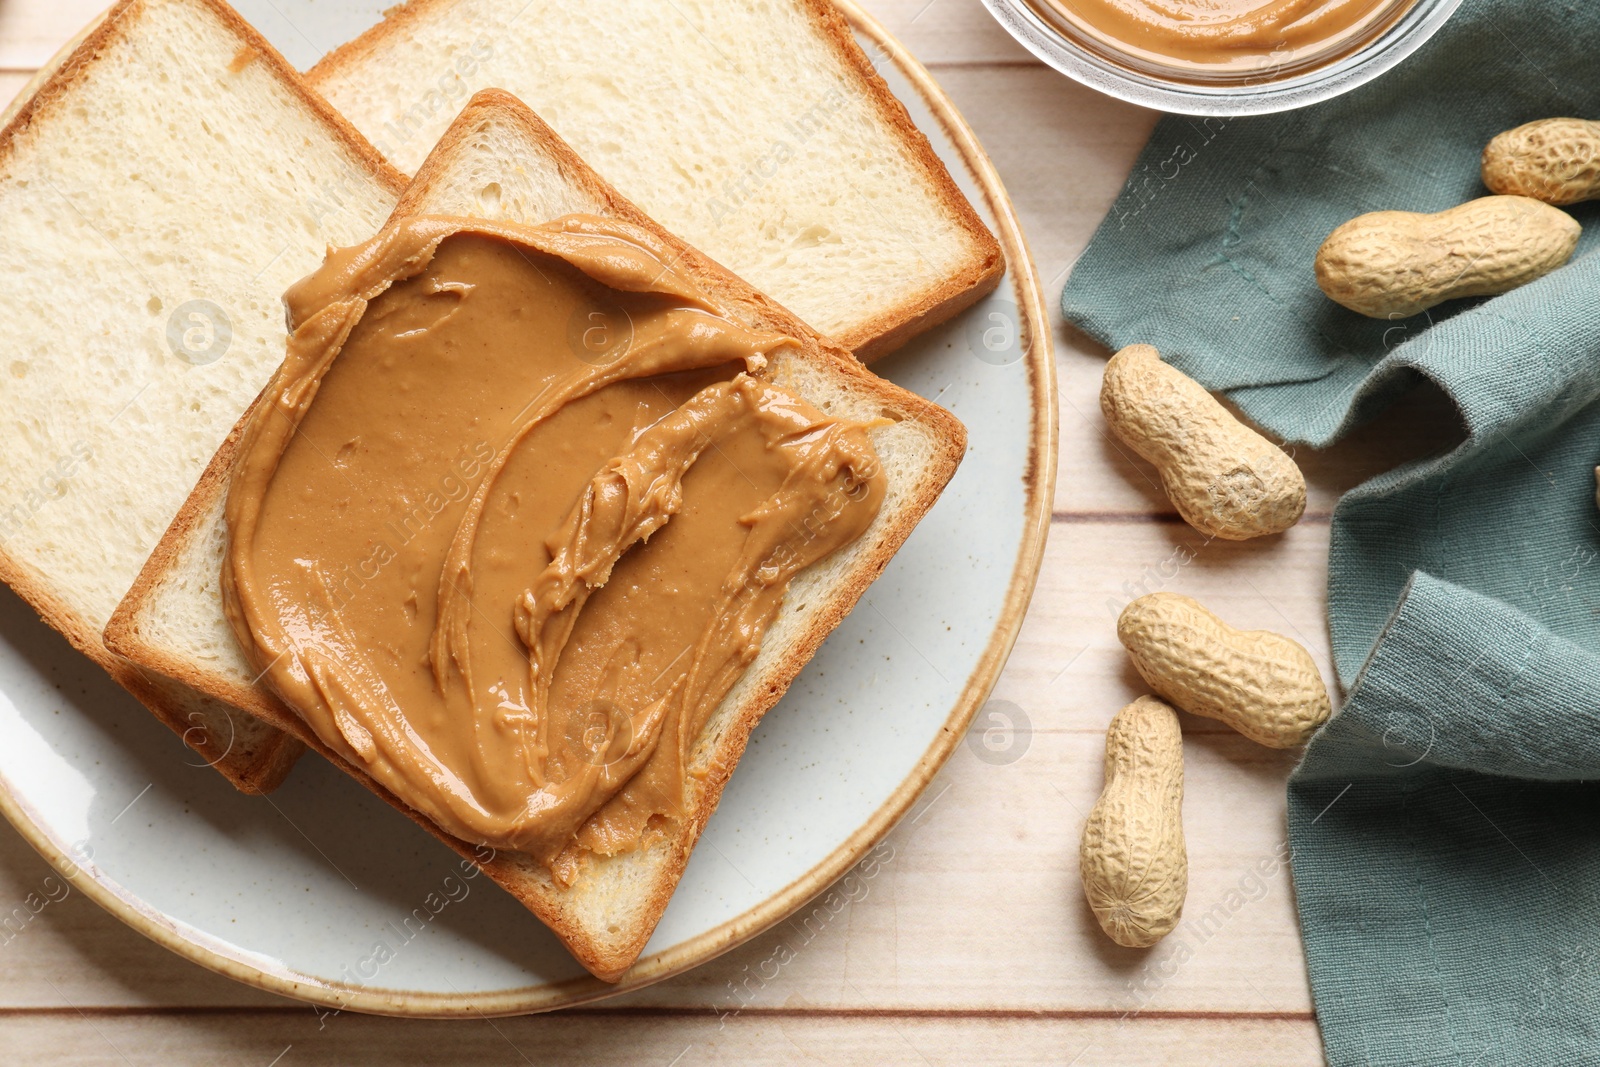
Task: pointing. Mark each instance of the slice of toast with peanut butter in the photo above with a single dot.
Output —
(500, 162)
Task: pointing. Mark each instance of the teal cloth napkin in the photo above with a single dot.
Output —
(1444, 826)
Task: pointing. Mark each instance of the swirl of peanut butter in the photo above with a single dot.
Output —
(513, 519)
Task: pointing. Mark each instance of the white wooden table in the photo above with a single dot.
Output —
(971, 944)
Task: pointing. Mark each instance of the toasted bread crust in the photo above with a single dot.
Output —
(263, 769)
(531, 888)
(883, 333)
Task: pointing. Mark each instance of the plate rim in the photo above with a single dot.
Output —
(1039, 482)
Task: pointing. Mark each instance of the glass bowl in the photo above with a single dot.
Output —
(1258, 92)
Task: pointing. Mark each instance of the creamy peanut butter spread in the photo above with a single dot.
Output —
(514, 517)
(1259, 37)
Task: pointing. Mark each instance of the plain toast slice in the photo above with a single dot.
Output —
(756, 130)
(500, 161)
(168, 175)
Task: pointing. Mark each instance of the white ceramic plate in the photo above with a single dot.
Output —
(297, 892)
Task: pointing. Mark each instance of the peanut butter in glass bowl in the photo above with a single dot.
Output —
(1222, 57)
